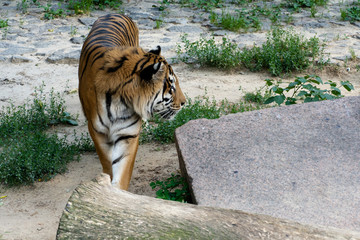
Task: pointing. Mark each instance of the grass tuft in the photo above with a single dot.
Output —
(30, 154)
(201, 107)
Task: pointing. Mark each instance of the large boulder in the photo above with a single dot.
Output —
(299, 162)
(96, 210)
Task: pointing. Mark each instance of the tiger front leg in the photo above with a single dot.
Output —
(123, 159)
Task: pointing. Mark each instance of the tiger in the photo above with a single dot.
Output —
(121, 84)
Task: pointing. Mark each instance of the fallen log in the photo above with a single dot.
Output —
(96, 210)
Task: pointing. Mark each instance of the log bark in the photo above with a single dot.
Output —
(96, 210)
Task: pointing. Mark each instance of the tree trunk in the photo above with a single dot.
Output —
(96, 210)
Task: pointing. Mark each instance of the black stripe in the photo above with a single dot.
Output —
(97, 56)
(108, 96)
(152, 104)
(134, 70)
(102, 122)
(132, 124)
(127, 82)
(97, 131)
(124, 137)
(118, 159)
(120, 62)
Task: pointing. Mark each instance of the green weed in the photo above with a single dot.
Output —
(207, 52)
(259, 96)
(305, 89)
(174, 188)
(80, 7)
(298, 4)
(4, 23)
(283, 52)
(202, 107)
(50, 13)
(236, 21)
(30, 154)
(206, 5)
(351, 13)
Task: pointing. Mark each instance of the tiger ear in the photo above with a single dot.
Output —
(147, 73)
(156, 51)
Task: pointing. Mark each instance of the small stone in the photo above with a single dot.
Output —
(165, 40)
(88, 21)
(17, 50)
(185, 29)
(220, 33)
(19, 59)
(64, 57)
(77, 40)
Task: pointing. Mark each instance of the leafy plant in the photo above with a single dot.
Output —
(283, 52)
(234, 22)
(163, 131)
(23, 6)
(306, 89)
(4, 23)
(206, 5)
(207, 53)
(30, 154)
(351, 13)
(174, 188)
(50, 13)
(297, 4)
(163, 5)
(259, 96)
(80, 7)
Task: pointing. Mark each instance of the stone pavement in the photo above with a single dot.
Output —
(299, 162)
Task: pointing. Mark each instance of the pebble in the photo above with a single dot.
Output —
(63, 57)
(19, 59)
(185, 29)
(88, 21)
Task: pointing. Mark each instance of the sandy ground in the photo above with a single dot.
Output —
(33, 212)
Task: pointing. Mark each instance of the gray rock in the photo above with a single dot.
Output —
(165, 40)
(19, 59)
(88, 21)
(140, 15)
(63, 57)
(357, 24)
(221, 33)
(17, 50)
(96, 204)
(176, 20)
(77, 40)
(298, 162)
(185, 29)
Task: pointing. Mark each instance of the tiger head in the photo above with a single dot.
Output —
(150, 85)
(169, 98)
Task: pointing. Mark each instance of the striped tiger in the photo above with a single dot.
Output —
(119, 85)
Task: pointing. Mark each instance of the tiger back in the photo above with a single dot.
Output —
(119, 85)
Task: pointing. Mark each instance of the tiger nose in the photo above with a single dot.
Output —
(182, 103)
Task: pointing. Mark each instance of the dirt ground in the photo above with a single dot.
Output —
(33, 212)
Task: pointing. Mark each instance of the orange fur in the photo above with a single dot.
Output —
(119, 84)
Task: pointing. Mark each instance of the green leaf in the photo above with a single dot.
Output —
(302, 93)
(301, 79)
(269, 82)
(269, 100)
(277, 89)
(279, 99)
(336, 91)
(290, 101)
(309, 99)
(69, 121)
(327, 96)
(292, 85)
(347, 85)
